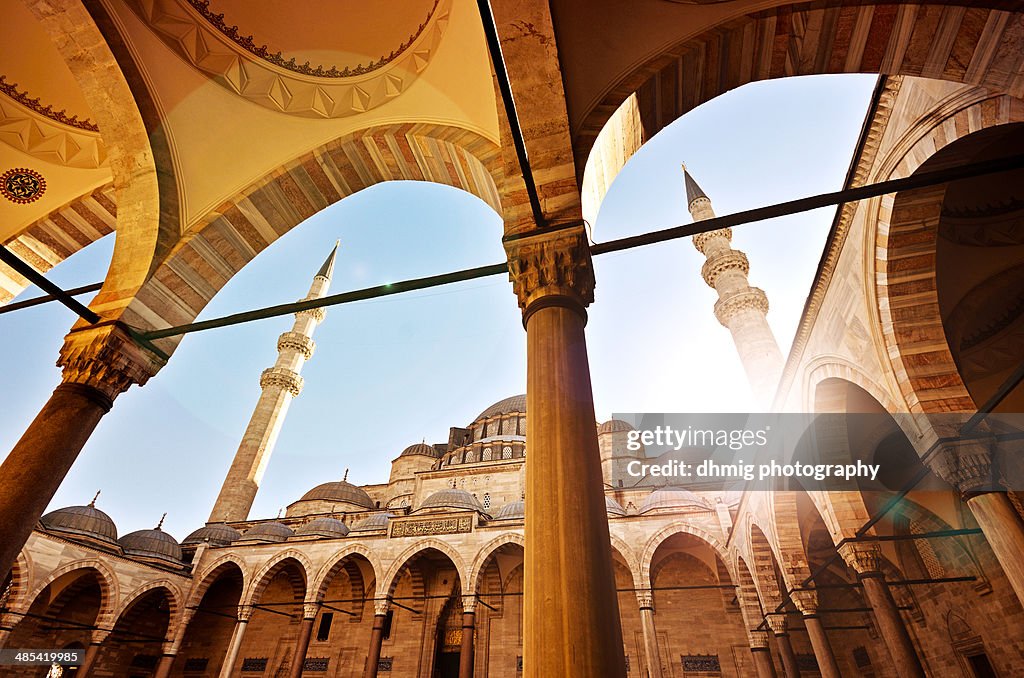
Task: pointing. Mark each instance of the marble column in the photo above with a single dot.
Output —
(309, 611)
(227, 669)
(163, 669)
(651, 654)
(99, 363)
(865, 559)
(777, 623)
(571, 616)
(762, 654)
(466, 651)
(967, 466)
(376, 638)
(85, 669)
(807, 603)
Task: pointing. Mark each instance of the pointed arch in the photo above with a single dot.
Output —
(386, 586)
(677, 527)
(214, 571)
(483, 556)
(340, 559)
(109, 589)
(175, 599)
(275, 565)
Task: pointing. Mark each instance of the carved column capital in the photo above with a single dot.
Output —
(245, 613)
(805, 601)
(753, 298)
(863, 557)
(381, 606)
(98, 636)
(758, 640)
(966, 465)
(645, 599)
(469, 603)
(107, 359)
(310, 610)
(777, 623)
(282, 378)
(551, 266)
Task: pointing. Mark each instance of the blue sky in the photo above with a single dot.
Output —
(394, 371)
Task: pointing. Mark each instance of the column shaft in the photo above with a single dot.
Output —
(35, 468)
(891, 626)
(651, 653)
(376, 638)
(789, 664)
(763, 662)
(1005, 534)
(467, 650)
(226, 670)
(89, 661)
(163, 669)
(301, 646)
(822, 648)
(571, 615)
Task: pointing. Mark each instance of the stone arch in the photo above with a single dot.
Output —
(483, 556)
(678, 527)
(386, 586)
(763, 556)
(109, 588)
(212, 572)
(277, 563)
(229, 237)
(747, 595)
(16, 598)
(792, 39)
(56, 236)
(174, 600)
(627, 554)
(322, 579)
(791, 556)
(906, 237)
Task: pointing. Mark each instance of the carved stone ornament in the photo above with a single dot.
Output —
(381, 606)
(298, 342)
(805, 601)
(966, 465)
(862, 557)
(551, 264)
(245, 612)
(310, 610)
(469, 603)
(720, 262)
(318, 314)
(422, 527)
(758, 640)
(645, 599)
(107, 359)
(777, 623)
(700, 241)
(754, 299)
(282, 378)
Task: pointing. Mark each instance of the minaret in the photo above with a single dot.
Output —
(740, 307)
(280, 384)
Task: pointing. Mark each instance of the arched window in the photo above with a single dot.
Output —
(506, 452)
(486, 455)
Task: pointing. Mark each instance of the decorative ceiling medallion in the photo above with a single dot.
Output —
(61, 116)
(248, 43)
(22, 185)
(251, 71)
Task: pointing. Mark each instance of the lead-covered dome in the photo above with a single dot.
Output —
(340, 492)
(508, 405)
(152, 544)
(373, 523)
(613, 508)
(673, 499)
(419, 449)
(268, 531)
(615, 426)
(215, 534)
(332, 528)
(515, 510)
(451, 498)
(83, 521)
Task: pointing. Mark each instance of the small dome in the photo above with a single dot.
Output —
(508, 405)
(151, 545)
(268, 531)
(373, 523)
(324, 527)
(85, 521)
(515, 510)
(419, 449)
(615, 426)
(451, 498)
(613, 508)
(340, 492)
(217, 534)
(673, 498)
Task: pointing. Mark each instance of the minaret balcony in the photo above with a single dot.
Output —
(296, 341)
(279, 377)
(753, 299)
(722, 261)
(701, 240)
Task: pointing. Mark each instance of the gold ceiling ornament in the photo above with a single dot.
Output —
(48, 134)
(22, 185)
(248, 69)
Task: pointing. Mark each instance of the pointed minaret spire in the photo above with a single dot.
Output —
(345, 479)
(740, 308)
(280, 383)
(161, 523)
(92, 504)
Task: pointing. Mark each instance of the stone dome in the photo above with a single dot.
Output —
(614, 426)
(419, 449)
(268, 531)
(515, 510)
(675, 498)
(373, 523)
(84, 521)
(152, 544)
(613, 508)
(340, 492)
(451, 498)
(217, 534)
(508, 405)
(324, 527)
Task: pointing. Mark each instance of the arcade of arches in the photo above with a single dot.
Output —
(469, 560)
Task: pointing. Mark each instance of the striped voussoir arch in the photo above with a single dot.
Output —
(975, 45)
(211, 252)
(55, 237)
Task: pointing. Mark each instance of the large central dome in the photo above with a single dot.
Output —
(339, 491)
(516, 403)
